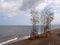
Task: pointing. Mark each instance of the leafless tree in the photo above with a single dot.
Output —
(35, 22)
(47, 16)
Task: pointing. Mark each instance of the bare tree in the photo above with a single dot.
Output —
(46, 17)
(35, 22)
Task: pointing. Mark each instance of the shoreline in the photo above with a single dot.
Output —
(14, 40)
(20, 39)
(53, 39)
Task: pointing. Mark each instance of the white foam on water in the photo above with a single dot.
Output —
(15, 39)
(26, 37)
(8, 41)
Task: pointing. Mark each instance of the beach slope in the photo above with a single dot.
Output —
(53, 39)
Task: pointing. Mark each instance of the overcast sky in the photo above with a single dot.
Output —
(17, 12)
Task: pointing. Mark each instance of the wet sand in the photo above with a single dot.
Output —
(53, 39)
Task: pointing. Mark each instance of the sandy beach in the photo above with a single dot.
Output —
(53, 39)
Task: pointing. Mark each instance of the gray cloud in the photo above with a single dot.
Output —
(15, 7)
(10, 7)
(27, 4)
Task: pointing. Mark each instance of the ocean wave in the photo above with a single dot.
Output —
(14, 40)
